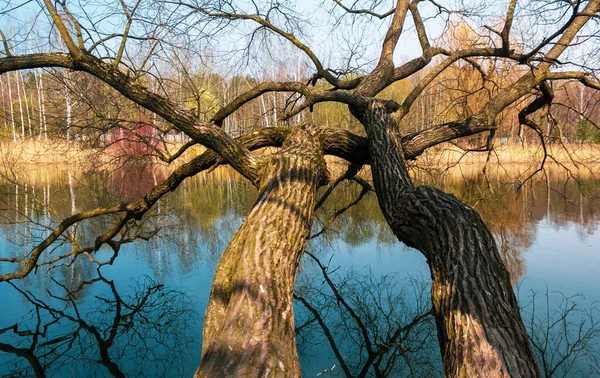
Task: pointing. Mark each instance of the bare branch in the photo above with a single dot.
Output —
(364, 11)
(419, 25)
(62, 29)
(264, 22)
(255, 92)
(76, 24)
(339, 212)
(568, 31)
(204, 133)
(394, 32)
(126, 31)
(505, 33)
(585, 79)
(5, 43)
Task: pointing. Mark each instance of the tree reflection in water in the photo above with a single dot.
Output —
(374, 325)
(565, 337)
(143, 333)
(363, 323)
(382, 326)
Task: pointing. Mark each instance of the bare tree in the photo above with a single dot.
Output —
(122, 328)
(248, 329)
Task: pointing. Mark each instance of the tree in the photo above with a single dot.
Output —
(249, 327)
(586, 132)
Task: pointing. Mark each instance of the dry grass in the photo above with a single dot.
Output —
(512, 162)
(34, 161)
(28, 161)
(517, 154)
(51, 152)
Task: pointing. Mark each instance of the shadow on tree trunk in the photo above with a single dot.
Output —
(249, 323)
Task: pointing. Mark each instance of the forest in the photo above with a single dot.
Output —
(60, 104)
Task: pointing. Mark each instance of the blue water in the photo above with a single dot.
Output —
(383, 281)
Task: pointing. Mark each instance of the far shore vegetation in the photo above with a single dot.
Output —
(27, 161)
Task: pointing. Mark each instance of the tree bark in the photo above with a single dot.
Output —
(480, 329)
(249, 322)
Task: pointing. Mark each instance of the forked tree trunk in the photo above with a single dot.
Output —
(249, 323)
(480, 329)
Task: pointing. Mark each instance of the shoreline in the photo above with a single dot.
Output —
(512, 162)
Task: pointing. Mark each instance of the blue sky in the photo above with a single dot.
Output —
(332, 38)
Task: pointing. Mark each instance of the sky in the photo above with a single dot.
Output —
(339, 42)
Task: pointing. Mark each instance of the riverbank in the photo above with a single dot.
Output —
(513, 162)
(29, 159)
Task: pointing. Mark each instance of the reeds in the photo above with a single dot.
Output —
(510, 162)
(27, 161)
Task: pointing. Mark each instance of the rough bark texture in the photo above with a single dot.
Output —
(249, 323)
(479, 325)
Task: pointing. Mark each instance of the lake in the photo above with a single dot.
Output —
(362, 299)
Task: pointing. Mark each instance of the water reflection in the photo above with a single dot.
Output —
(564, 334)
(374, 325)
(513, 212)
(367, 317)
(141, 333)
(207, 209)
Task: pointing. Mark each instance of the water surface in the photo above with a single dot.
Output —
(362, 298)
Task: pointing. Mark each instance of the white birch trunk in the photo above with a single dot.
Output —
(39, 100)
(12, 112)
(43, 106)
(72, 193)
(25, 190)
(2, 96)
(20, 106)
(26, 104)
(68, 104)
(275, 109)
(265, 113)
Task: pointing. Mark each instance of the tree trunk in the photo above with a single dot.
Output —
(12, 112)
(480, 329)
(68, 102)
(2, 97)
(249, 322)
(39, 101)
(43, 106)
(26, 103)
(20, 106)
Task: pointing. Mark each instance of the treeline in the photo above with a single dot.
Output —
(39, 104)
